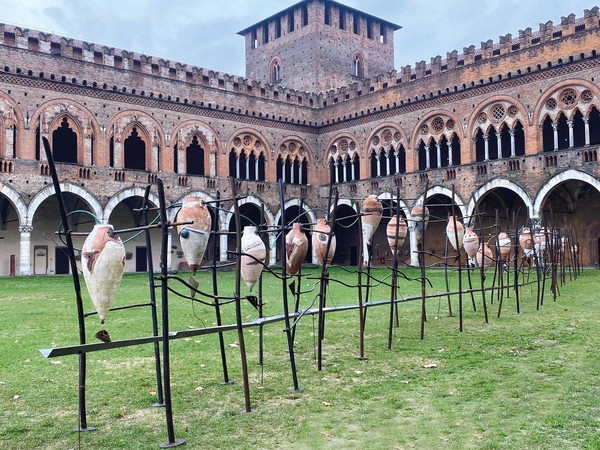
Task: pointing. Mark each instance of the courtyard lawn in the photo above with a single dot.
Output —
(529, 380)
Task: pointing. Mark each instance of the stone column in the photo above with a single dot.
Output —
(499, 143)
(555, 130)
(438, 153)
(486, 147)
(512, 143)
(25, 250)
(387, 164)
(427, 158)
(450, 159)
(571, 136)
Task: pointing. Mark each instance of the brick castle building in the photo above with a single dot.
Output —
(512, 126)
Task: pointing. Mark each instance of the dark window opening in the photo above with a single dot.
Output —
(134, 150)
(194, 158)
(64, 143)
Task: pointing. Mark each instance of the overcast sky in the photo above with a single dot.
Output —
(204, 32)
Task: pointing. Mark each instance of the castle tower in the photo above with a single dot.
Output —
(317, 45)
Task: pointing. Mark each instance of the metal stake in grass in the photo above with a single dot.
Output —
(238, 300)
(83, 426)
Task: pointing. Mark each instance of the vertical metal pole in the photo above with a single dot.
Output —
(325, 281)
(460, 299)
(394, 293)
(261, 331)
(215, 286)
(361, 309)
(516, 263)
(164, 225)
(83, 426)
(421, 248)
(482, 268)
(284, 280)
(238, 306)
(150, 263)
(298, 284)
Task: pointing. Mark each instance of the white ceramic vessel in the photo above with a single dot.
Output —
(102, 264)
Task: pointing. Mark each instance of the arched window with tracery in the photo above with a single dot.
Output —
(387, 155)
(343, 155)
(292, 163)
(246, 158)
(439, 143)
(570, 119)
(64, 143)
(194, 158)
(499, 131)
(134, 150)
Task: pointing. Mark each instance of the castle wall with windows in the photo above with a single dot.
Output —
(508, 130)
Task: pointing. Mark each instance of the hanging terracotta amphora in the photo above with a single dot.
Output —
(296, 247)
(396, 241)
(102, 264)
(541, 240)
(470, 242)
(254, 254)
(455, 232)
(418, 220)
(504, 244)
(526, 241)
(320, 237)
(484, 257)
(193, 237)
(372, 212)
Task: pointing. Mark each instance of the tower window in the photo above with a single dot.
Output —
(357, 67)
(275, 72)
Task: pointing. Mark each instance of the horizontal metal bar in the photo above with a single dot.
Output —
(99, 346)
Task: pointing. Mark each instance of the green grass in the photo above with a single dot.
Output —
(522, 381)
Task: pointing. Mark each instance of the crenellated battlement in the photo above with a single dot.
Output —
(483, 64)
(115, 58)
(471, 59)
